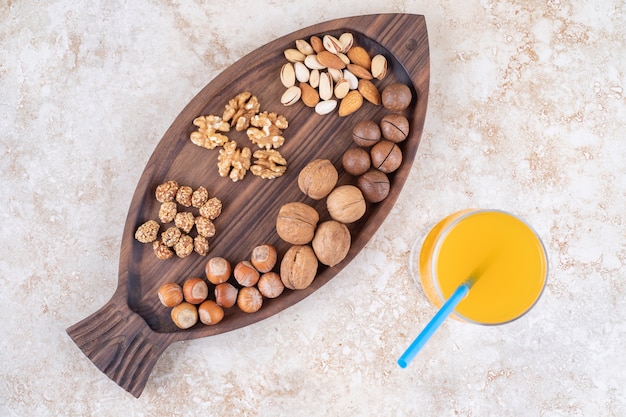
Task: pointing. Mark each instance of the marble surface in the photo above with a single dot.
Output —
(526, 113)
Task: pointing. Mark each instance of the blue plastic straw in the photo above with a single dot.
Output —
(443, 313)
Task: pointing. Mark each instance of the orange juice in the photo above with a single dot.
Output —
(503, 256)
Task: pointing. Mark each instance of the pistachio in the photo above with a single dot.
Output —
(342, 87)
(304, 47)
(344, 58)
(291, 95)
(287, 75)
(379, 67)
(335, 74)
(326, 86)
(352, 79)
(346, 40)
(314, 78)
(331, 44)
(312, 63)
(325, 106)
(302, 72)
(293, 55)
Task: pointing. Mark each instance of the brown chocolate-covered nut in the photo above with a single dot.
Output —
(386, 156)
(374, 185)
(356, 161)
(394, 127)
(396, 96)
(366, 133)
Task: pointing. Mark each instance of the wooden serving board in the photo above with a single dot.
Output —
(125, 338)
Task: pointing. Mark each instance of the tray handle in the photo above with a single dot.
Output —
(121, 344)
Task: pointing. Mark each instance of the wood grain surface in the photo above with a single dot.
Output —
(125, 338)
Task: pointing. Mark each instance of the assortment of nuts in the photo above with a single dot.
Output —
(243, 112)
(175, 240)
(326, 73)
(329, 72)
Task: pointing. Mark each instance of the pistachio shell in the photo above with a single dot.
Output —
(287, 75)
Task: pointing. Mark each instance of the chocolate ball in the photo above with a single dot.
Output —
(394, 127)
(356, 161)
(374, 185)
(386, 156)
(396, 96)
(366, 133)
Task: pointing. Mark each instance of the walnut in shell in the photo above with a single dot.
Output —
(296, 223)
(318, 178)
(346, 204)
(331, 242)
(298, 267)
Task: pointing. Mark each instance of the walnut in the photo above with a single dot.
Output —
(267, 130)
(184, 246)
(269, 164)
(233, 162)
(207, 135)
(184, 221)
(171, 236)
(240, 110)
(147, 232)
(199, 197)
(167, 191)
(211, 209)
(183, 195)
(167, 212)
(161, 250)
(205, 226)
(201, 245)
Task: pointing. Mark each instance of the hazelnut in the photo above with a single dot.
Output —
(210, 312)
(184, 315)
(396, 96)
(298, 267)
(318, 178)
(374, 185)
(225, 294)
(394, 127)
(386, 156)
(249, 299)
(356, 161)
(245, 274)
(195, 290)
(170, 294)
(264, 257)
(366, 133)
(296, 223)
(217, 270)
(270, 285)
(346, 204)
(331, 242)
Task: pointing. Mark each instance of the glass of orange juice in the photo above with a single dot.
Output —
(500, 254)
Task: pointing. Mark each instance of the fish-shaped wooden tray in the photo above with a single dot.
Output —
(125, 337)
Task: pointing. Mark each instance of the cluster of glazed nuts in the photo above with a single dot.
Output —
(176, 239)
(384, 155)
(264, 129)
(255, 280)
(328, 72)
